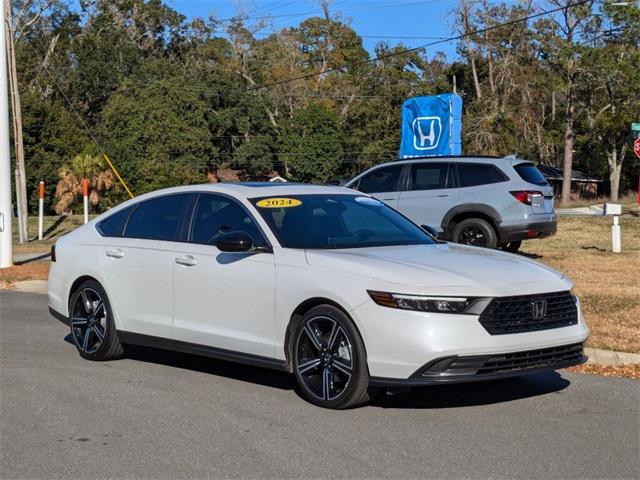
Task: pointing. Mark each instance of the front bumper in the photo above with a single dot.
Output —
(401, 343)
(459, 369)
(528, 231)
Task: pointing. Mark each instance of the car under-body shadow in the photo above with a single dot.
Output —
(427, 397)
(475, 393)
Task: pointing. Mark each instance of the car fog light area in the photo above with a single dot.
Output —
(458, 305)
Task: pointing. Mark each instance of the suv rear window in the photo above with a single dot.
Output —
(474, 174)
(529, 173)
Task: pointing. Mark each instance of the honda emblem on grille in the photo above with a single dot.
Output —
(539, 309)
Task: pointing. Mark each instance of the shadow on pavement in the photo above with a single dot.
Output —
(237, 371)
(437, 396)
(475, 393)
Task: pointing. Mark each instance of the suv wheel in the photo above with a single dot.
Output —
(476, 232)
(512, 247)
(329, 359)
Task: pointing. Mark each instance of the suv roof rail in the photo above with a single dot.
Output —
(435, 157)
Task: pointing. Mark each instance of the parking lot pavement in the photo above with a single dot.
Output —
(164, 415)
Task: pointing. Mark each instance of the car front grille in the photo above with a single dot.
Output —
(528, 313)
(505, 363)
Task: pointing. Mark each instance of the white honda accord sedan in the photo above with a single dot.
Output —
(323, 282)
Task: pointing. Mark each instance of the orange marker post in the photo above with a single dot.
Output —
(40, 209)
(85, 195)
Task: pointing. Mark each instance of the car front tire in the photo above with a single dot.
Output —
(329, 359)
(91, 321)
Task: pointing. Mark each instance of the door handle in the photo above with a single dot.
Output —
(187, 261)
(386, 199)
(443, 195)
(116, 253)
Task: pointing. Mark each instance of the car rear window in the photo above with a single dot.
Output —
(429, 176)
(474, 174)
(529, 173)
(113, 225)
(158, 218)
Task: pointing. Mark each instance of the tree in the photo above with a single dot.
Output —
(560, 40)
(311, 145)
(611, 87)
(69, 187)
(158, 134)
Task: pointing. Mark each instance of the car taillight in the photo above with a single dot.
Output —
(525, 196)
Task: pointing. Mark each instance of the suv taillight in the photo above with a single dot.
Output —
(525, 196)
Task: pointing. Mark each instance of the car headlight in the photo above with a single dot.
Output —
(423, 303)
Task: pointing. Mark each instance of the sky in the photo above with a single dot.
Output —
(393, 21)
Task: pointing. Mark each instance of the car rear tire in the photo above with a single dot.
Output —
(476, 232)
(512, 247)
(329, 359)
(91, 321)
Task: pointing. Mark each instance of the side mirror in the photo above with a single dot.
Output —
(430, 230)
(234, 242)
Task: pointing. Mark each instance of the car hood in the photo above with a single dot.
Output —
(442, 269)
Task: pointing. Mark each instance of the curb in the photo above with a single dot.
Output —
(609, 357)
(31, 286)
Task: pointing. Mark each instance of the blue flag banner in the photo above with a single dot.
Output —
(431, 126)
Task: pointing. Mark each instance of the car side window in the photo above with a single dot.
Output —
(159, 218)
(474, 174)
(113, 225)
(217, 214)
(429, 176)
(384, 179)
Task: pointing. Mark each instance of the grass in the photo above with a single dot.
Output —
(628, 200)
(53, 227)
(607, 283)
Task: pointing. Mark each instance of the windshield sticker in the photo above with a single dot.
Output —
(369, 201)
(278, 203)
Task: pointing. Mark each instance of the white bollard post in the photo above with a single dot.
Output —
(40, 209)
(20, 231)
(616, 240)
(85, 195)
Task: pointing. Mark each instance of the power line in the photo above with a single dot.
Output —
(421, 47)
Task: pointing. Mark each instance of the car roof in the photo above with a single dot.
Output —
(253, 189)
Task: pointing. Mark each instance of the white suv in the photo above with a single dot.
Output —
(482, 201)
(324, 282)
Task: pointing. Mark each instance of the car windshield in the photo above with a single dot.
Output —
(337, 221)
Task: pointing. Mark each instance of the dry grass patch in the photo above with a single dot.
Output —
(626, 370)
(608, 284)
(27, 271)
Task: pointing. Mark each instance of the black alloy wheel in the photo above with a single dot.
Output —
(329, 359)
(476, 232)
(92, 327)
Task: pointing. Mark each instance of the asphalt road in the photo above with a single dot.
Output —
(164, 415)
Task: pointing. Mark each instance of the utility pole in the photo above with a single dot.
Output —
(16, 110)
(6, 246)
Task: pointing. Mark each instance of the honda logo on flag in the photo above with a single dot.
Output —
(426, 133)
(431, 126)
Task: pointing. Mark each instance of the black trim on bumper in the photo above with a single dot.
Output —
(472, 373)
(59, 316)
(516, 233)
